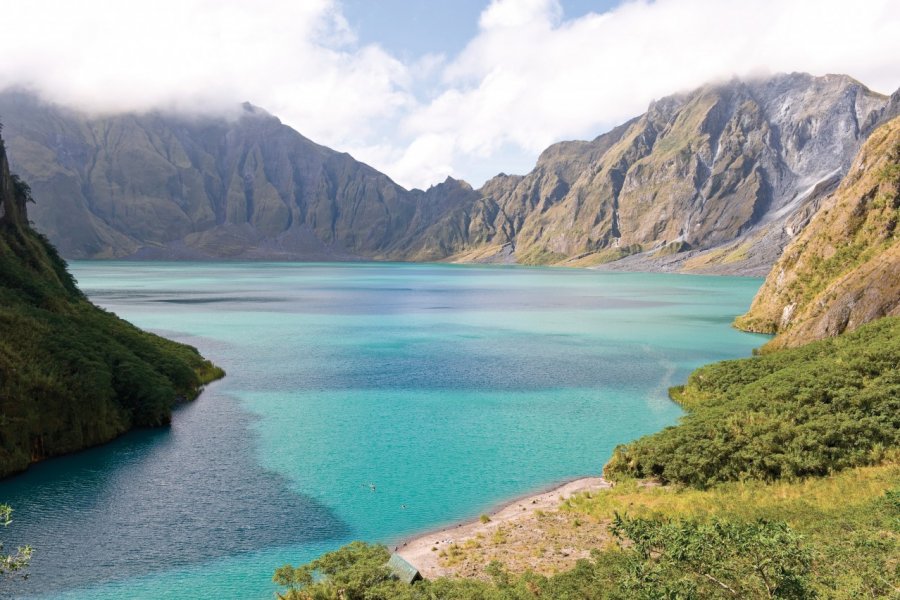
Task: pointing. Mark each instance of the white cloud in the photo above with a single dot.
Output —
(528, 78)
(518, 14)
(298, 60)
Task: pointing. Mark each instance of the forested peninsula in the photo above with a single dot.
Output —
(71, 374)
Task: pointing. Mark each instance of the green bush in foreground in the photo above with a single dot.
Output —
(807, 411)
(357, 570)
(11, 564)
(654, 559)
(719, 559)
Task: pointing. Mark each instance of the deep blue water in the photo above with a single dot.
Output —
(450, 388)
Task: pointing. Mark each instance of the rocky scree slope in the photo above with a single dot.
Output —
(718, 180)
(843, 270)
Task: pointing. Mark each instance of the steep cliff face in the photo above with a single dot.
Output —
(72, 375)
(164, 186)
(843, 270)
(715, 180)
(737, 163)
(14, 194)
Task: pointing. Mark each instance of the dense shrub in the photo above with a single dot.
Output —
(73, 375)
(801, 412)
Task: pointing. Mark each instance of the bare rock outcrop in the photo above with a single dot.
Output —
(843, 270)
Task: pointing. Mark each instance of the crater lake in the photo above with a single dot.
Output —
(362, 401)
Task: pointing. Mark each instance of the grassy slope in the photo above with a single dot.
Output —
(842, 270)
(850, 520)
(71, 374)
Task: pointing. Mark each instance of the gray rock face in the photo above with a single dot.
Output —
(157, 186)
(719, 179)
(843, 269)
(716, 180)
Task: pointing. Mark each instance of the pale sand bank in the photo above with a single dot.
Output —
(519, 513)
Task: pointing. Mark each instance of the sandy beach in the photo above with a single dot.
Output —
(428, 552)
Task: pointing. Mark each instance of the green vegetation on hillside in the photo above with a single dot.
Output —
(73, 375)
(805, 411)
(768, 494)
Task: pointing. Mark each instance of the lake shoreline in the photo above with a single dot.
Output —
(422, 550)
(444, 385)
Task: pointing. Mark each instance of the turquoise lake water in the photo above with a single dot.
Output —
(450, 388)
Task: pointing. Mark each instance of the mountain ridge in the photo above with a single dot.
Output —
(639, 193)
(717, 179)
(152, 184)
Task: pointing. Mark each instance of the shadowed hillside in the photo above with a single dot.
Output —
(164, 186)
(71, 374)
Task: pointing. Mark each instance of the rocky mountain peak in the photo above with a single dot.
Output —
(737, 163)
(717, 179)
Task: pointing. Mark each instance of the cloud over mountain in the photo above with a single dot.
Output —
(530, 76)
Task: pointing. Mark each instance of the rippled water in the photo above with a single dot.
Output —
(449, 388)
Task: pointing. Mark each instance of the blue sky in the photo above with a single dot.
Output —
(425, 89)
(411, 29)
